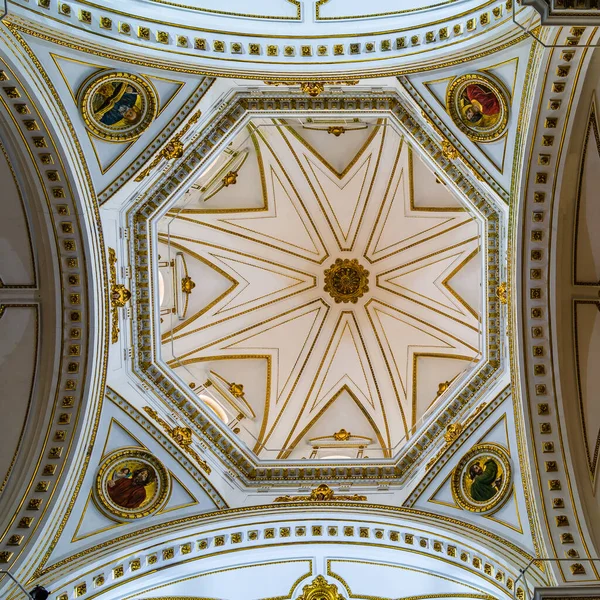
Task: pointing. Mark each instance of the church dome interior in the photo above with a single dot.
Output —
(299, 299)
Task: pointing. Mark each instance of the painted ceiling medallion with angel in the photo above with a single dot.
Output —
(478, 105)
(341, 283)
(117, 106)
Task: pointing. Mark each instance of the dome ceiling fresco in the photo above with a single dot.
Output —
(333, 288)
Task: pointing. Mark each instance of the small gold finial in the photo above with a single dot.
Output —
(336, 130)
(342, 435)
(187, 285)
(442, 387)
(230, 178)
(237, 390)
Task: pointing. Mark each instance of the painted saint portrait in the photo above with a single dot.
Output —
(127, 488)
(131, 483)
(478, 104)
(117, 106)
(481, 481)
(486, 479)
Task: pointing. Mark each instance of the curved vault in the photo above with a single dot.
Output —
(255, 225)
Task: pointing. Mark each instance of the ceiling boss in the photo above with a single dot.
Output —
(346, 280)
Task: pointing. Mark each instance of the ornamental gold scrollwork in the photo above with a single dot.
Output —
(320, 589)
(322, 493)
(182, 436)
(119, 295)
(453, 432)
(312, 88)
(172, 150)
(448, 150)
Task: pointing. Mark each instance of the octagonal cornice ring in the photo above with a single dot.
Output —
(153, 372)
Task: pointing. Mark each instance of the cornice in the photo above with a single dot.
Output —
(228, 54)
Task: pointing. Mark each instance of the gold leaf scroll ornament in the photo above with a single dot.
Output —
(182, 436)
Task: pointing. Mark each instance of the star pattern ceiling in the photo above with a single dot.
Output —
(258, 246)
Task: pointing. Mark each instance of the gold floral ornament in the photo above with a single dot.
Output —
(479, 106)
(172, 150)
(131, 483)
(346, 280)
(482, 480)
(322, 493)
(117, 106)
(182, 436)
(320, 589)
(119, 295)
(187, 285)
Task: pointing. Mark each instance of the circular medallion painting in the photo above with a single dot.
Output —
(478, 104)
(131, 483)
(481, 481)
(117, 107)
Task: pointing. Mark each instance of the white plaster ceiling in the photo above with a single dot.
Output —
(259, 316)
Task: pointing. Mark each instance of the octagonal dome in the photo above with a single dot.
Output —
(320, 288)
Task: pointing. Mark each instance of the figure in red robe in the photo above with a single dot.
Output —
(130, 493)
(480, 105)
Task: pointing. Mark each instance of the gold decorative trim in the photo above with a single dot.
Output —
(172, 150)
(119, 295)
